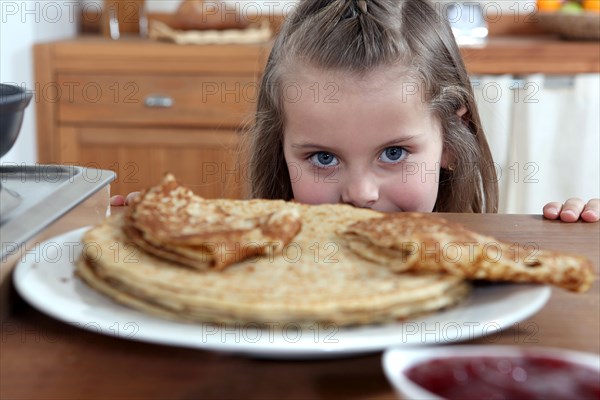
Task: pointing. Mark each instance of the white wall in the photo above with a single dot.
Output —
(22, 24)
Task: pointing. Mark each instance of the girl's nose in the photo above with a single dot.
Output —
(361, 191)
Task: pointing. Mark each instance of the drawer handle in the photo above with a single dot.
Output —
(159, 101)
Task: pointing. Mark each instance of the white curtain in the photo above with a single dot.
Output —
(544, 132)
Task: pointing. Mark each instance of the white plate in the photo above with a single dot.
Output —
(45, 278)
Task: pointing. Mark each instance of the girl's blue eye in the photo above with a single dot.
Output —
(323, 159)
(393, 154)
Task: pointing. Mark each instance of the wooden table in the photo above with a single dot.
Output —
(43, 358)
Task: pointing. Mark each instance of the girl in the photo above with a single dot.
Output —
(369, 103)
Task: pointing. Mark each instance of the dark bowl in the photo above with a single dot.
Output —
(13, 101)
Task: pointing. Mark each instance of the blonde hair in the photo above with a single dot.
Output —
(356, 36)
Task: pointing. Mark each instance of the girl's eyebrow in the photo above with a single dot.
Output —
(308, 145)
(400, 140)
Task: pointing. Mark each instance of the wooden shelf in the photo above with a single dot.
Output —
(510, 54)
(545, 54)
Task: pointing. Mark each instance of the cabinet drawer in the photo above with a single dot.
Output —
(157, 100)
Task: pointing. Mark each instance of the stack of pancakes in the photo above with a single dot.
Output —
(180, 256)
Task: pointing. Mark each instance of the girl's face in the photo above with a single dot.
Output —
(370, 143)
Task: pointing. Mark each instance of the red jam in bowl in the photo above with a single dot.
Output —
(526, 377)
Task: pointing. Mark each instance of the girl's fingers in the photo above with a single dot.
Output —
(571, 210)
(131, 196)
(591, 211)
(117, 200)
(552, 210)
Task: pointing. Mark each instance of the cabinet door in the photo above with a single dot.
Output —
(208, 161)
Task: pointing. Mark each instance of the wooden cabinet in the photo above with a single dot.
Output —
(205, 160)
(142, 108)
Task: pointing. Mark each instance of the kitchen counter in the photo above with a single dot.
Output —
(45, 358)
(518, 44)
(502, 54)
(545, 54)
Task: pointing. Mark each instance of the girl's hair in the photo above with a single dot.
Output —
(355, 37)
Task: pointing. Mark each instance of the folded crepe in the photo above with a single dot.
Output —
(170, 221)
(420, 242)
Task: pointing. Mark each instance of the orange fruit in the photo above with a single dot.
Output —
(591, 5)
(548, 5)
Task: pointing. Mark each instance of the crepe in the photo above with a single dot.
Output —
(309, 281)
(170, 221)
(177, 255)
(419, 242)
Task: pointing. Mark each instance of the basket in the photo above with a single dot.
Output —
(585, 26)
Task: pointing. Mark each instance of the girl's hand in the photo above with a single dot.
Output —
(573, 209)
(120, 200)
